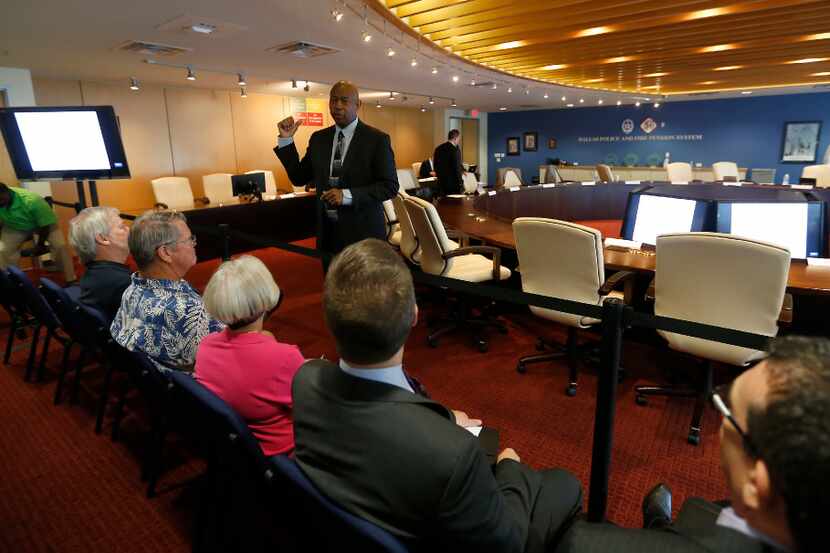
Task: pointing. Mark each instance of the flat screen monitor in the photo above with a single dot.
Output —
(797, 226)
(248, 184)
(648, 216)
(64, 143)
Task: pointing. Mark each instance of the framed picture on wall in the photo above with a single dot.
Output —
(531, 140)
(800, 141)
(551, 143)
(513, 145)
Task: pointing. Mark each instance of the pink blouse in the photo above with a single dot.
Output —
(252, 372)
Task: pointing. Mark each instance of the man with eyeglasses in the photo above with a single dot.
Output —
(161, 314)
(775, 456)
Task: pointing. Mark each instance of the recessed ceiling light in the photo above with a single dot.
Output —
(593, 31)
(366, 36)
(818, 36)
(728, 67)
(545, 96)
(637, 103)
(570, 105)
(656, 104)
(619, 102)
(509, 89)
(600, 101)
(134, 83)
(390, 52)
(655, 75)
(337, 15)
(455, 78)
(413, 63)
(434, 70)
(821, 74)
(619, 59)
(241, 80)
(564, 99)
(582, 100)
(554, 67)
(502, 108)
(191, 76)
(717, 48)
(453, 104)
(431, 100)
(509, 45)
(203, 28)
(750, 92)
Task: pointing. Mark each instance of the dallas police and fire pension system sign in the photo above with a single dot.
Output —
(644, 132)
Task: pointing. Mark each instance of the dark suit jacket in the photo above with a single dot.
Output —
(399, 460)
(448, 168)
(368, 171)
(694, 531)
(425, 170)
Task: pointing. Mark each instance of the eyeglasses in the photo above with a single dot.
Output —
(191, 239)
(721, 402)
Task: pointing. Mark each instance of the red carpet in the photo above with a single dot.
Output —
(62, 488)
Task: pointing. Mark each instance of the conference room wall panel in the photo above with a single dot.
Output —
(410, 131)
(201, 133)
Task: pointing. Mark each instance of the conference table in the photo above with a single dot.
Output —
(285, 218)
(489, 217)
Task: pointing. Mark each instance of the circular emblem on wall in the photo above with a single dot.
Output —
(628, 126)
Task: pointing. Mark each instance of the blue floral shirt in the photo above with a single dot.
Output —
(165, 319)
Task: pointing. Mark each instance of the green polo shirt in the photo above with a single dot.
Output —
(27, 211)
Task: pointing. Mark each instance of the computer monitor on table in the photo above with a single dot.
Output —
(649, 215)
(797, 226)
(248, 184)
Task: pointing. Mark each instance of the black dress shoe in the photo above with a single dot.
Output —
(657, 507)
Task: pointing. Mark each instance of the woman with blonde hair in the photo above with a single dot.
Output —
(244, 364)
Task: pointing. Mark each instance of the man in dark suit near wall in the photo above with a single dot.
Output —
(352, 167)
(775, 454)
(397, 458)
(448, 166)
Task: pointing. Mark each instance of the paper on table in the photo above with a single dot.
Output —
(620, 243)
(818, 261)
(474, 430)
(456, 196)
(632, 182)
(491, 193)
(732, 184)
(549, 185)
(588, 183)
(802, 186)
(289, 195)
(514, 188)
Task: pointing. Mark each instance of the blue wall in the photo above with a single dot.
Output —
(747, 130)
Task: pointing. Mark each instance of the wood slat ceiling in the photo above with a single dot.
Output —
(656, 46)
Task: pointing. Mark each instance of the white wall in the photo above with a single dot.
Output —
(17, 84)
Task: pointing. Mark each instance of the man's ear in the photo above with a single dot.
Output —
(415, 317)
(164, 254)
(101, 239)
(757, 490)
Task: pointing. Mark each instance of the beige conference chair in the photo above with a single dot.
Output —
(726, 171)
(819, 172)
(416, 168)
(578, 275)
(218, 187)
(271, 183)
(393, 228)
(605, 174)
(409, 246)
(679, 172)
(501, 175)
(470, 183)
(721, 280)
(443, 257)
(172, 192)
(406, 179)
(512, 178)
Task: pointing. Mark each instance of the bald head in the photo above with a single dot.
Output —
(344, 101)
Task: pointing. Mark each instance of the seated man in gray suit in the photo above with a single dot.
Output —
(775, 454)
(397, 458)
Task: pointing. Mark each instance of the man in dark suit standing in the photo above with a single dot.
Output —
(351, 165)
(448, 167)
(397, 458)
(775, 454)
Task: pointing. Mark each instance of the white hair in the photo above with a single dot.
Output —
(86, 226)
(240, 291)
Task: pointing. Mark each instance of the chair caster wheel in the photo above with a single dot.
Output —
(432, 342)
(641, 400)
(694, 437)
(521, 368)
(482, 346)
(540, 345)
(570, 391)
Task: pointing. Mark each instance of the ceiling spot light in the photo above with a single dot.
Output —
(378, 104)
(655, 75)
(717, 48)
(390, 52)
(656, 105)
(134, 84)
(413, 63)
(293, 83)
(819, 36)
(494, 86)
(434, 70)
(191, 76)
(593, 31)
(391, 95)
(337, 15)
(241, 80)
(307, 87)
(503, 108)
(431, 100)
(243, 92)
(745, 92)
(509, 45)
(582, 100)
(202, 28)
(366, 37)
(554, 67)
(546, 96)
(453, 104)
(564, 99)
(707, 83)
(509, 89)
(455, 78)
(637, 103)
(702, 14)
(423, 109)
(472, 82)
(569, 105)
(619, 59)
(600, 101)
(809, 60)
(619, 102)
(527, 91)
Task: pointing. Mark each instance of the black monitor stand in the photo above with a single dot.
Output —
(93, 193)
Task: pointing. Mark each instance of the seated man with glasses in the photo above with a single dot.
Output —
(160, 313)
(775, 455)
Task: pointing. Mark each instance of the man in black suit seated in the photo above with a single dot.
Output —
(775, 455)
(397, 458)
(448, 166)
(352, 168)
(426, 171)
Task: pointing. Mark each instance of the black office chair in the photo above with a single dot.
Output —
(18, 312)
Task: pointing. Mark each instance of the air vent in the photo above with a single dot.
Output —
(152, 48)
(303, 49)
(202, 26)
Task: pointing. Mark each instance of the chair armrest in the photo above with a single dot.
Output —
(491, 250)
(463, 239)
(786, 314)
(620, 277)
(650, 291)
